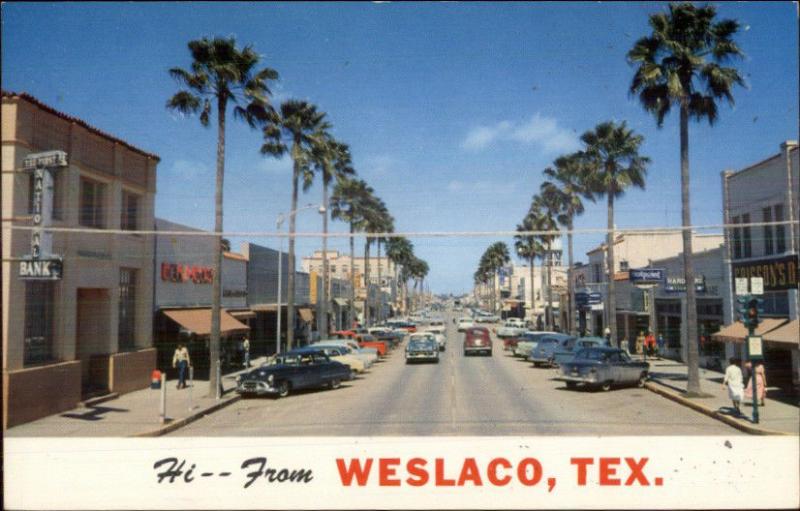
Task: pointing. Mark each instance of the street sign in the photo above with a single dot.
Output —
(41, 269)
(645, 276)
(741, 286)
(757, 285)
(595, 298)
(581, 299)
(754, 347)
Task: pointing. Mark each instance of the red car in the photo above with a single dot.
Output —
(509, 343)
(343, 334)
(369, 341)
(477, 340)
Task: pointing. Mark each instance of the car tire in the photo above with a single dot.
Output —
(335, 383)
(572, 385)
(642, 380)
(284, 388)
(605, 386)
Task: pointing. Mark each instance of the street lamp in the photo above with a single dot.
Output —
(279, 223)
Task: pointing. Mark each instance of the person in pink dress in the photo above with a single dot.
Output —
(761, 383)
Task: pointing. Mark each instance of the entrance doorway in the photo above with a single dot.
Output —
(91, 339)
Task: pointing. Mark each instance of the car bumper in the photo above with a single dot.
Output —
(477, 348)
(258, 389)
(538, 359)
(589, 380)
(421, 356)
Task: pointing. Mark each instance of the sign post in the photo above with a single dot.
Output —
(647, 279)
(749, 312)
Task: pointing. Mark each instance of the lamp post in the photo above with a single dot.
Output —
(279, 223)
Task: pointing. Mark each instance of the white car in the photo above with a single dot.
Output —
(511, 329)
(465, 324)
(369, 355)
(438, 334)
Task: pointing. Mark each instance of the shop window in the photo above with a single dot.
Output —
(780, 230)
(92, 205)
(596, 270)
(776, 303)
(769, 246)
(747, 243)
(39, 298)
(126, 334)
(59, 178)
(129, 220)
(737, 239)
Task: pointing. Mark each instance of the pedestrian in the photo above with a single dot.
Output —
(181, 361)
(640, 343)
(650, 343)
(661, 345)
(624, 344)
(246, 349)
(761, 382)
(733, 380)
(607, 335)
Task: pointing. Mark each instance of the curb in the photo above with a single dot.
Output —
(172, 426)
(654, 386)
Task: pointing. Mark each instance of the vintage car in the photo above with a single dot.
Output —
(566, 352)
(369, 341)
(439, 333)
(344, 354)
(387, 335)
(603, 368)
(464, 324)
(511, 329)
(370, 355)
(297, 369)
(477, 340)
(546, 346)
(527, 341)
(422, 348)
(344, 334)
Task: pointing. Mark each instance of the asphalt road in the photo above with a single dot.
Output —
(476, 395)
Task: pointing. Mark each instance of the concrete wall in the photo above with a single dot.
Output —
(131, 371)
(262, 274)
(30, 394)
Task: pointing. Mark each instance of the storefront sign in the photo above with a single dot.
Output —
(171, 272)
(678, 284)
(41, 269)
(646, 275)
(45, 159)
(234, 293)
(585, 299)
(779, 273)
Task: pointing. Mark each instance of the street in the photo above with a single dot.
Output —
(476, 395)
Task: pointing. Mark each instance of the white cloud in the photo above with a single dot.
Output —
(543, 132)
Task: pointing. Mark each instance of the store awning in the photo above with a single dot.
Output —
(198, 321)
(506, 308)
(305, 314)
(265, 307)
(737, 332)
(359, 305)
(341, 302)
(240, 315)
(786, 334)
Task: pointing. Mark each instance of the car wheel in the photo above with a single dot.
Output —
(606, 386)
(283, 389)
(336, 383)
(572, 385)
(641, 381)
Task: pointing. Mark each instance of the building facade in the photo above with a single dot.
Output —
(87, 329)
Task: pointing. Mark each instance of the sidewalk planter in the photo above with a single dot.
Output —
(36, 392)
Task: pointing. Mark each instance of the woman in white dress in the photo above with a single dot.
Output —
(735, 383)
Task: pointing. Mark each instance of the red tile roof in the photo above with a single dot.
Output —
(27, 97)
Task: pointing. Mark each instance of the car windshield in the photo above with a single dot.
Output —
(421, 344)
(289, 360)
(592, 354)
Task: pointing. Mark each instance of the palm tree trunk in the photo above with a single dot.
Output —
(290, 320)
(551, 323)
(611, 298)
(366, 283)
(352, 309)
(323, 306)
(533, 293)
(692, 353)
(570, 285)
(216, 286)
(380, 287)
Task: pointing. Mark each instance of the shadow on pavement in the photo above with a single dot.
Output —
(94, 413)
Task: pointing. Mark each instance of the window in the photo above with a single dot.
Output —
(126, 334)
(58, 194)
(92, 203)
(596, 268)
(130, 212)
(333, 268)
(39, 297)
(747, 242)
(769, 246)
(623, 265)
(737, 239)
(780, 230)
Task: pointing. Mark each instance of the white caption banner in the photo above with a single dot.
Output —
(667, 472)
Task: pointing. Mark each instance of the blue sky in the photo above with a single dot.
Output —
(451, 110)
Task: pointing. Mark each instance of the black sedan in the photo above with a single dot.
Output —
(603, 368)
(297, 369)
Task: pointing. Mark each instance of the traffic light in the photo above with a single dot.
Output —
(754, 308)
(742, 310)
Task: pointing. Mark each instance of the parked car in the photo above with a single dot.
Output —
(603, 368)
(546, 346)
(566, 352)
(345, 355)
(477, 340)
(464, 324)
(386, 335)
(422, 348)
(510, 329)
(297, 369)
(369, 354)
(369, 341)
(527, 342)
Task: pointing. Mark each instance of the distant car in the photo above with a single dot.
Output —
(510, 329)
(369, 354)
(545, 348)
(422, 348)
(566, 352)
(488, 318)
(477, 340)
(439, 334)
(369, 341)
(527, 341)
(358, 362)
(464, 324)
(603, 368)
(293, 370)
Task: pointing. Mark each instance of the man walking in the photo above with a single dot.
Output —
(246, 349)
(181, 361)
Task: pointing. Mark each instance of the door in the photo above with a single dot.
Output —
(92, 330)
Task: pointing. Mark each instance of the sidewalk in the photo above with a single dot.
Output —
(135, 413)
(779, 416)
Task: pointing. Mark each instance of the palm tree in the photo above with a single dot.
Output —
(570, 175)
(493, 260)
(348, 195)
(545, 207)
(295, 129)
(373, 213)
(613, 164)
(529, 247)
(399, 250)
(682, 63)
(333, 161)
(222, 73)
(386, 224)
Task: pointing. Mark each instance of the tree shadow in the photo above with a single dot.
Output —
(94, 413)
